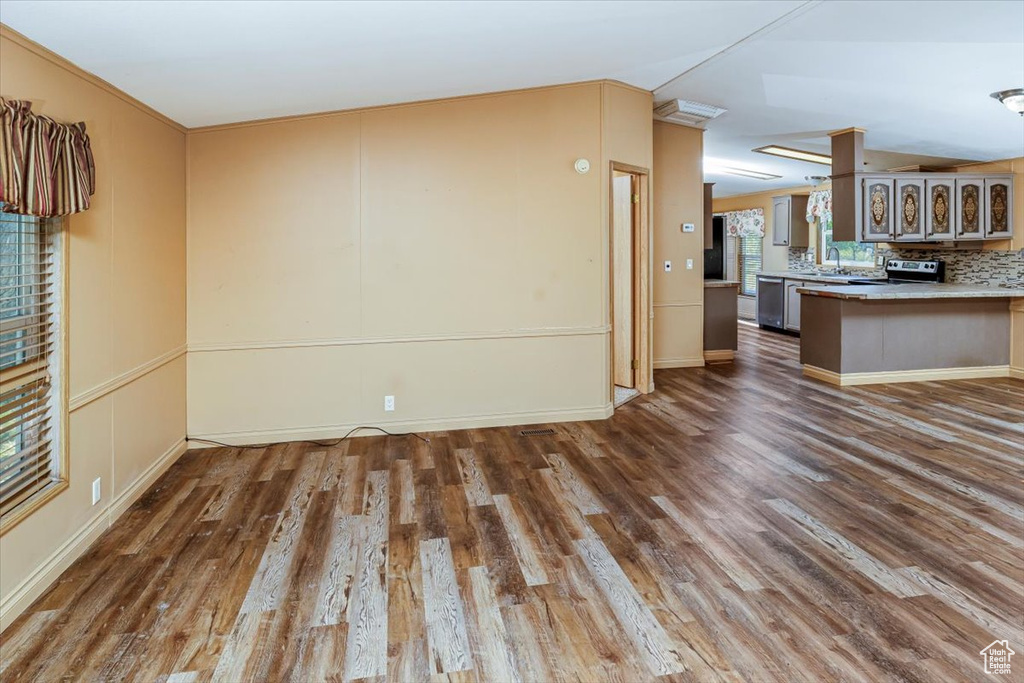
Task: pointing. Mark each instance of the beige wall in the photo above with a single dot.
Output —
(627, 137)
(126, 316)
(446, 253)
(678, 199)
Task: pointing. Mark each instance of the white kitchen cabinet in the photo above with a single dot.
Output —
(789, 221)
(793, 305)
(999, 207)
(970, 208)
(877, 211)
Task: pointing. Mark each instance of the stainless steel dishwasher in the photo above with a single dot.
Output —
(771, 302)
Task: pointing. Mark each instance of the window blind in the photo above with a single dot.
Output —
(28, 462)
(750, 264)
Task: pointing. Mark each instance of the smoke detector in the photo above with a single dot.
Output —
(685, 111)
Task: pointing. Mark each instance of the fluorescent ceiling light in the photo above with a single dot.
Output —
(715, 169)
(797, 154)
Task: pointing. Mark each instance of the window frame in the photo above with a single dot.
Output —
(822, 248)
(741, 271)
(58, 364)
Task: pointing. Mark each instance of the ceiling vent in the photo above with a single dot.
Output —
(685, 111)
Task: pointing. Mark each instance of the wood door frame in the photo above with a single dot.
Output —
(643, 377)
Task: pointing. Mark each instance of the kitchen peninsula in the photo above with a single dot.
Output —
(870, 334)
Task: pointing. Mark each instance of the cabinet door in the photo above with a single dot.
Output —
(781, 209)
(938, 209)
(999, 207)
(793, 305)
(799, 228)
(969, 221)
(910, 214)
(877, 216)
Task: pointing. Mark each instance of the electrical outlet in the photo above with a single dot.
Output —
(689, 264)
(389, 404)
(668, 266)
(96, 483)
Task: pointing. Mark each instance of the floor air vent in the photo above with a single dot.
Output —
(536, 432)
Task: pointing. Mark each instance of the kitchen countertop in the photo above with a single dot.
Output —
(817, 277)
(721, 283)
(914, 291)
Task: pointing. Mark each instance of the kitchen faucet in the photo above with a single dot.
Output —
(828, 255)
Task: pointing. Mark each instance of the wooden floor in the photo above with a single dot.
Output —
(741, 523)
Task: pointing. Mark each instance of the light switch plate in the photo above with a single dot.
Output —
(689, 264)
(668, 266)
(389, 404)
(689, 227)
(96, 490)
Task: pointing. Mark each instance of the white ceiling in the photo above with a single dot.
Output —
(916, 74)
(204, 63)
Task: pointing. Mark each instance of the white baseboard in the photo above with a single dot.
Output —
(36, 583)
(321, 432)
(1017, 373)
(668, 363)
(132, 493)
(849, 379)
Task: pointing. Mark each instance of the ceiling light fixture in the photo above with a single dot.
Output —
(815, 180)
(797, 154)
(715, 169)
(1013, 99)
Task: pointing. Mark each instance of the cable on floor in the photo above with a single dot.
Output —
(323, 444)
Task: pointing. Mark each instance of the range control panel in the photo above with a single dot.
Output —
(924, 271)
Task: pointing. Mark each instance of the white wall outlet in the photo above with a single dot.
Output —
(389, 404)
(689, 227)
(668, 266)
(96, 490)
(689, 264)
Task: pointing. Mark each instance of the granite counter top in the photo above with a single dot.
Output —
(914, 291)
(721, 283)
(818, 277)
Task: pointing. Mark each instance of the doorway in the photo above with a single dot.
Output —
(630, 278)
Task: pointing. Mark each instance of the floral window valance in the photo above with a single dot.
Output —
(46, 167)
(746, 223)
(819, 206)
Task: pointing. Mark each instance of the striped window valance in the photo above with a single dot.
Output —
(745, 223)
(46, 167)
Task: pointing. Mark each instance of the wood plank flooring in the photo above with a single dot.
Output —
(741, 523)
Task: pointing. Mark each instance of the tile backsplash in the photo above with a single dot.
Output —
(967, 266)
(974, 267)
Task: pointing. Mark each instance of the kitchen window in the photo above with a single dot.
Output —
(853, 254)
(750, 249)
(32, 405)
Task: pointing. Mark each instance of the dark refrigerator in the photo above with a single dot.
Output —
(714, 254)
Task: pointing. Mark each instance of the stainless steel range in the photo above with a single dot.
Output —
(901, 271)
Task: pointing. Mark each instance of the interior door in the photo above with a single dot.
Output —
(622, 279)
